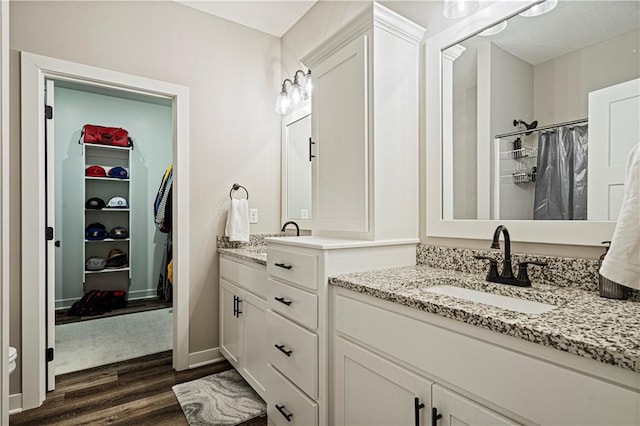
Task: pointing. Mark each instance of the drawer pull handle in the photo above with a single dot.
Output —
(435, 416)
(282, 265)
(281, 300)
(280, 408)
(281, 349)
(417, 407)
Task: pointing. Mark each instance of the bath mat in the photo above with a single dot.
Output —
(220, 399)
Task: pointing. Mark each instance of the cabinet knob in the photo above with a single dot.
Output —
(280, 408)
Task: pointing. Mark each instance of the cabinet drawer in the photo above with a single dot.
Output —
(298, 268)
(286, 405)
(293, 303)
(252, 279)
(293, 350)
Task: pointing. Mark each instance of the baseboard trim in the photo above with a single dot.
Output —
(15, 403)
(206, 357)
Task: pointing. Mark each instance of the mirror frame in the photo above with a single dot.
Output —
(582, 233)
(287, 120)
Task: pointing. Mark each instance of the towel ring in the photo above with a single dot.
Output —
(236, 187)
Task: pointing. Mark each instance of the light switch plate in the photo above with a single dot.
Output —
(253, 215)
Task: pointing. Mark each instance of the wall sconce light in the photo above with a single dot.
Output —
(454, 9)
(299, 91)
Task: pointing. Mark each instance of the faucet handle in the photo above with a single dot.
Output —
(522, 271)
(493, 265)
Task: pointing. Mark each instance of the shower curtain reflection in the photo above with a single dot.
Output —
(561, 183)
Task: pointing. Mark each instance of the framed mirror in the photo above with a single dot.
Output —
(296, 167)
(534, 122)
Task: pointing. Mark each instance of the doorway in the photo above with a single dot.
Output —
(38, 248)
(109, 253)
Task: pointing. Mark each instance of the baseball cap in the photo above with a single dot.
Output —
(95, 231)
(116, 259)
(95, 171)
(95, 263)
(118, 172)
(95, 203)
(117, 203)
(119, 233)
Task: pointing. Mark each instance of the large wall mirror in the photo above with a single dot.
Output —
(296, 167)
(535, 120)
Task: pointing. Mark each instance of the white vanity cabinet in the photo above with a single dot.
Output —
(477, 377)
(243, 309)
(298, 317)
(364, 168)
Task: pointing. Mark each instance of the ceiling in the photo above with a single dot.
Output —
(271, 17)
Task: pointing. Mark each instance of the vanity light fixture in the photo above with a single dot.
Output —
(498, 28)
(540, 8)
(299, 90)
(454, 9)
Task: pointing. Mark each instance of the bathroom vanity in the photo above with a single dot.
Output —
(578, 363)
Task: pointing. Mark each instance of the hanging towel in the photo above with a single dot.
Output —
(237, 228)
(622, 263)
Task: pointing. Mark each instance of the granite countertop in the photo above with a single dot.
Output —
(583, 324)
(256, 254)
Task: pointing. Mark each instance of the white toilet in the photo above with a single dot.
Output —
(13, 354)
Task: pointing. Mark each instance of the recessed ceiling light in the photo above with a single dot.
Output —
(498, 28)
(540, 8)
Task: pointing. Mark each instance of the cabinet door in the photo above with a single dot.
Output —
(230, 323)
(370, 390)
(340, 130)
(254, 341)
(458, 411)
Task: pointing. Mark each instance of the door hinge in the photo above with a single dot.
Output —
(49, 354)
(48, 112)
(49, 233)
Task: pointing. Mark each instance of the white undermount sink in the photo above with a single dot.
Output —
(504, 302)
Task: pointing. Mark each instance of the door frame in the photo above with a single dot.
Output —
(34, 70)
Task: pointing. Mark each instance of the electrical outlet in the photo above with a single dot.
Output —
(253, 215)
(304, 213)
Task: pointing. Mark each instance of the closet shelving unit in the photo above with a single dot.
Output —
(106, 188)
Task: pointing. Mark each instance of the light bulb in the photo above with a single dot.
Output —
(307, 86)
(454, 9)
(540, 8)
(283, 102)
(295, 94)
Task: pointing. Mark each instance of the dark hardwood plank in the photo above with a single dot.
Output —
(134, 392)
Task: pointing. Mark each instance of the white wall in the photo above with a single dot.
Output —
(233, 76)
(150, 125)
(562, 85)
(512, 84)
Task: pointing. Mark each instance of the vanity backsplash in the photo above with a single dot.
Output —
(255, 240)
(560, 271)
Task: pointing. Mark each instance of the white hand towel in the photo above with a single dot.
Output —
(237, 228)
(622, 262)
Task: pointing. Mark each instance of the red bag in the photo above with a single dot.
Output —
(113, 136)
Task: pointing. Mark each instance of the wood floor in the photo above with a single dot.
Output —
(133, 306)
(135, 392)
